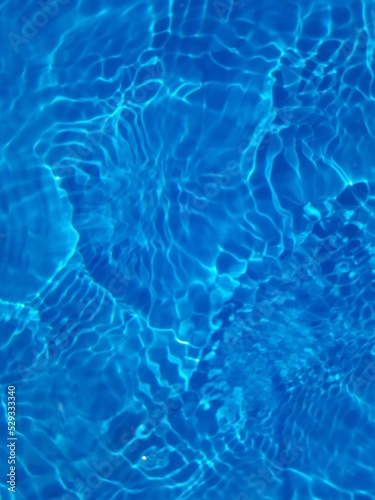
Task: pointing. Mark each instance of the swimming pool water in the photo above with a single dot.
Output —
(187, 249)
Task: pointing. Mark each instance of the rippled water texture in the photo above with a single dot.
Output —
(187, 245)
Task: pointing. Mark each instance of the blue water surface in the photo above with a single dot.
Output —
(187, 249)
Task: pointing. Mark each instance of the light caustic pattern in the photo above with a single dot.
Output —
(187, 248)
